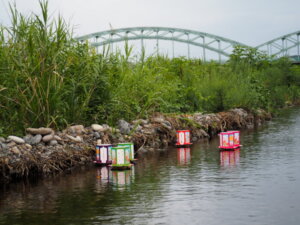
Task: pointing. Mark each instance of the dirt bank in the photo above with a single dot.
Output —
(44, 151)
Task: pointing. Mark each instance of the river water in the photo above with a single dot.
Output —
(258, 184)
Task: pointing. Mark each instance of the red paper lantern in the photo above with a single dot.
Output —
(183, 137)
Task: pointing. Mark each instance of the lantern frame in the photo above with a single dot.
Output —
(131, 146)
(229, 140)
(123, 152)
(103, 154)
(183, 137)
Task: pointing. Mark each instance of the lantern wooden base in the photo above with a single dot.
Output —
(127, 167)
(133, 161)
(223, 148)
(182, 145)
(100, 163)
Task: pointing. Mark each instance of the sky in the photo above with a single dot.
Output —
(251, 22)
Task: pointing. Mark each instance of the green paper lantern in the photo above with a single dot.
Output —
(131, 146)
(120, 156)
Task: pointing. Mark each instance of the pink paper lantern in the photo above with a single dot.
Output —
(183, 137)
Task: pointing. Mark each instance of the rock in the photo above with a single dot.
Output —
(97, 135)
(76, 139)
(124, 127)
(3, 146)
(121, 139)
(158, 120)
(48, 138)
(167, 125)
(105, 127)
(142, 150)
(53, 142)
(2, 140)
(41, 130)
(57, 138)
(240, 112)
(16, 139)
(97, 127)
(11, 144)
(142, 122)
(137, 128)
(28, 146)
(77, 129)
(15, 150)
(36, 139)
(202, 133)
(194, 139)
(149, 131)
(82, 159)
(27, 138)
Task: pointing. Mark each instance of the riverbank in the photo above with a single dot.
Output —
(44, 151)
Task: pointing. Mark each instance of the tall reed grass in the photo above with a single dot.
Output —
(49, 79)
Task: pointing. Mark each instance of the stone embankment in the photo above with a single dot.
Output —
(45, 151)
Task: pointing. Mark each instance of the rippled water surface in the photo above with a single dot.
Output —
(258, 184)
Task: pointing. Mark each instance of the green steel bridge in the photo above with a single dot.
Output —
(286, 45)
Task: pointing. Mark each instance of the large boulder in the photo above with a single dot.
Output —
(97, 128)
(76, 129)
(48, 138)
(16, 139)
(41, 131)
(36, 139)
(124, 127)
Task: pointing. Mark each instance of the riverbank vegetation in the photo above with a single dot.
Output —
(49, 79)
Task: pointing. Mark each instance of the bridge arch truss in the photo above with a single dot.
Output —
(222, 46)
(286, 45)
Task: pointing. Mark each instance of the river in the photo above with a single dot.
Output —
(258, 184)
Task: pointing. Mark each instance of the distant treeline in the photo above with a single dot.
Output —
(49, 79)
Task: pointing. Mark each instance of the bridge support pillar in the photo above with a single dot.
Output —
(188, 37)
(282, 46)
(219, 47)
(173, 44)
(157, 44)
(298, 47)
(204, 56)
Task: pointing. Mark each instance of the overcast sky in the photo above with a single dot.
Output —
(251, 22)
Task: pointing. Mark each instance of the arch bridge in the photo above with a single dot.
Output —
(286, 45)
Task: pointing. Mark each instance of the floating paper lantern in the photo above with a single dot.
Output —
(183, 137)
(183, 155)
(103, 154)
(120, 157)
(229, 140)
(131, 146)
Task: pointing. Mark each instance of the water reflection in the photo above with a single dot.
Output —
(183, 156)
(119, 179)
(230, 158)
(102, 179)
(122, 179)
